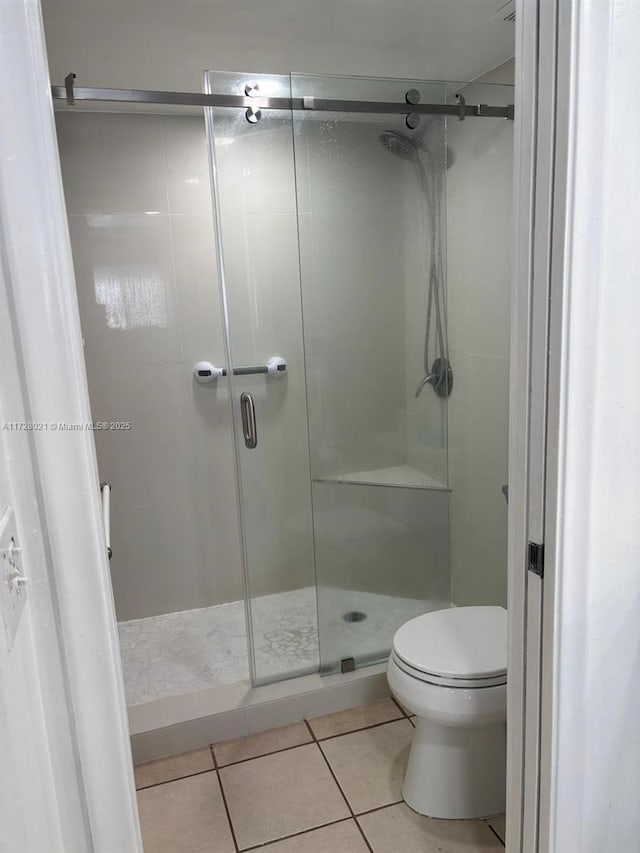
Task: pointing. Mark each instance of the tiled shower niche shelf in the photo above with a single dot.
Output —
(398, 476)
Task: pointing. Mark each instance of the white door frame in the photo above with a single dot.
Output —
(540, 180)
(574, 685)
(38, 270)
(590, 725)
(533, 185)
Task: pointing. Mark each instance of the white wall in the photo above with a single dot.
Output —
(479, 214)
(161, 44)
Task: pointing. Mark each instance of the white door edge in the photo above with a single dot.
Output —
(46, 322)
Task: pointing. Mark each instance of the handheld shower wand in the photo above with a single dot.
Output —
(438, 373)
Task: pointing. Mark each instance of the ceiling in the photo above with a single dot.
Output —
(166, 44)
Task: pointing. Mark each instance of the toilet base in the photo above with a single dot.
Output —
(456, 771)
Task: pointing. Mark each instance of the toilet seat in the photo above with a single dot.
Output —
(429, 678)
(464, 647)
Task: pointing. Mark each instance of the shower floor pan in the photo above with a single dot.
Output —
(193, 650)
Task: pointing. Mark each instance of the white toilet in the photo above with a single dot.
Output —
(449, 668)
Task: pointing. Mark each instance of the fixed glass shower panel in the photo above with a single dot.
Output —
(258, 236)
(371, 214)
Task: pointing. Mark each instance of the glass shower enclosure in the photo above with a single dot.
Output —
(332, 247)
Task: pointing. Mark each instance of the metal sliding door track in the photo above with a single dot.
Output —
(72, 94)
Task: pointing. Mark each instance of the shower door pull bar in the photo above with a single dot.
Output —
(105, 492)
(249, 429)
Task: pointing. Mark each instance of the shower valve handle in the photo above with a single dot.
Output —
(431, 379)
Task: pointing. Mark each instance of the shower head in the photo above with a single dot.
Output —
(398, 144)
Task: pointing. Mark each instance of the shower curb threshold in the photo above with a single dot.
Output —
(178, 724)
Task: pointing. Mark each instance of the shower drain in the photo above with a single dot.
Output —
(354, 616)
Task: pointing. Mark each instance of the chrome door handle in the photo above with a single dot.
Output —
(249, 429)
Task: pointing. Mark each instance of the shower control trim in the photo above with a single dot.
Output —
(440, 378)
(205, 373)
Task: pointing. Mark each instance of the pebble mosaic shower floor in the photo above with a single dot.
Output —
(193, 650)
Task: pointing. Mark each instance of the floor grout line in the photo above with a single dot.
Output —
(284, 837)
(402, 710)
(176, 779)
(224, 802)
(262, 754)
(218, 766)
(368, 812)
(378, 808)
(314, 739)
(496, 834)
(263, 844)
(362, 833)
(335, 779)
(318, 743)
(363, 729)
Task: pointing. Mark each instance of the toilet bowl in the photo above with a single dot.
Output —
(449, 668)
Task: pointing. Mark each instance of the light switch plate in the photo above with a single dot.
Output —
(13, 583)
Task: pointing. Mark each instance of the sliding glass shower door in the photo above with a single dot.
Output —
(331, 231)
(257, 231)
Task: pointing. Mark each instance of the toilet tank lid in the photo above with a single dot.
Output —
(462, 642)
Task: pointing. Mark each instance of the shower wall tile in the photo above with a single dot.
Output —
(353, 295)
(219, 540)
(138, 195)
(263, 277)
(152, 460)
(265, 316)
(187, 165)
(255, 163)
(276, 485)
(213, 454)
(478, 464)
(479, 199)
(198, 296)
(112, 163)
(359, 290)
(356, 409)
(155, 562)
(479, 230)
(479, 226)
(346, 154)
(126, 287)
(426, 417)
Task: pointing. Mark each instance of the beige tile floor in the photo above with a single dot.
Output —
(326, 785)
